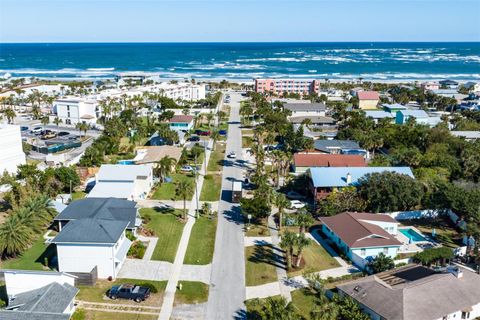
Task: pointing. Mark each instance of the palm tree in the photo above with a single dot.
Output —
(215, 136)
(15, 236)
(45, 120)
(10, 114)
(57, 121)
(304, 220)
(324, 309)
(164, 167)
(281, 203)
(210, 117)
(184, 189)
(287, 243)
(302, 242)
(278, 308)
(82, 126)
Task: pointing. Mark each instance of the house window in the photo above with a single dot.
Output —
(465, 315)
(385, 250)
(363, 252)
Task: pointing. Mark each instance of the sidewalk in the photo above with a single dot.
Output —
(281, 272)
(172, 284)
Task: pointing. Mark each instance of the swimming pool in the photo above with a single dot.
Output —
(126, 162)
(412, 234)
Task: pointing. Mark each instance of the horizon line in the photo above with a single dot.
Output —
(233, 42)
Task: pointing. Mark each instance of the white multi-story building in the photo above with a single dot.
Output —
(11, 154)
(75, 110)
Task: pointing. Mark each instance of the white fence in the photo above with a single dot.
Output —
(430, 213)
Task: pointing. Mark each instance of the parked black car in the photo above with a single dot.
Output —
(129, 291)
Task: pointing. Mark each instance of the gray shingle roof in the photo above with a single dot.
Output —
(328, 145)
(43, 303)
(91, 230)
(305, 107)
(426, 296)
(101, 208)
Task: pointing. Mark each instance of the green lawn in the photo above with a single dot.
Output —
(202, 242)
(247, 142)
(216, 158)
(316, 258)
(166, 225)
(32, 259)
(254, 307)
(192, 292)
(303, 302)
(82, 314)
(98, 292)
(166, 191)
(257, 230)
(212, 187)
(77, 195)
(260, 267)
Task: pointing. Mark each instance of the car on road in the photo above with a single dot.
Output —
(293, 195)
(194, 138)
(130, 292)
(204, 133)
(297, 204)
(222, 132)
(23, 128)
(187, 168)
(36, 130)
(63, 133)
(232, 155)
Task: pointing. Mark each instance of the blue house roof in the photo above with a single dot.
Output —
(337, 176)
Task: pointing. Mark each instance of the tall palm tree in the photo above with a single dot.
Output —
(184, 189)
(324, 309)
(287, 243)
(210, 117)
(215, 135)
(281, 203)
(10, 114)
(57, 121)
(164, 167)
(82, 126)
(15, 236)
(304, 220)
(302, 243)
(45, 120)
(278, 308)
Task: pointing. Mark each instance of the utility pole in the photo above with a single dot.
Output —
(196, 187)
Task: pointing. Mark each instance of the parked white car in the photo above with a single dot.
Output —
(296, 204)
(232, 155)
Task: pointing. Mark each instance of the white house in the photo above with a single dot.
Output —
(362, 236)
(89, 243)
(75, 110)
(130, 182)
(11, 154)
(306, 109)
(39, 295)
(181, 123)
(417, 292)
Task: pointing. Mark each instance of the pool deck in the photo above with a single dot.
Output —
(408, 247)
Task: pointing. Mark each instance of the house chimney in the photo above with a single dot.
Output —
(349, 178)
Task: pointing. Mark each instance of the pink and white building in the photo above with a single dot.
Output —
(280, 86)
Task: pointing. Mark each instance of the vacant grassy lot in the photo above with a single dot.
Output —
(260, 265)
(216, 158)
(192, 292)
(166, 191)
(212, 187)
(316, 258)
(32, 259)
(168, 227)
(202, 242)
(98, 292)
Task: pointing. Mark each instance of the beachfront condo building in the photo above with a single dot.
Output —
(280, 86)
(11, 145)
(73, 110)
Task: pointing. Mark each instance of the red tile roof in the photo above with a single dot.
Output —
(328, 160)
(368, 95)
(181, 119)
(355, 230)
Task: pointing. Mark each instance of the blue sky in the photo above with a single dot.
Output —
(238, 20)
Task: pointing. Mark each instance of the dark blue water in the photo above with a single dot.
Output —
(246, 60)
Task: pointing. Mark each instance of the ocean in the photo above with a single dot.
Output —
(245, 61)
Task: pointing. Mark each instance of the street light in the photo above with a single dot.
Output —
(249, 217)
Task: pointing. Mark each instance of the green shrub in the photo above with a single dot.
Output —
(130, 236)
(137, 250)
(79, 314)
(150, 286)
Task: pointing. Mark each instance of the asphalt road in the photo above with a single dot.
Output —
(227, 288)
